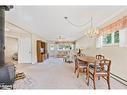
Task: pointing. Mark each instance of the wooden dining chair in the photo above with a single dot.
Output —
(99, 57)
(81, 67)
(103, 71)
(76, 62)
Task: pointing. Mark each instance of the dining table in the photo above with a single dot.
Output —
(88, 59)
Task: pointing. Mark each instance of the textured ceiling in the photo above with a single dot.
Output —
(49, 22)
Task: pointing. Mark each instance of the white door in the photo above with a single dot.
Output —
(25, 51)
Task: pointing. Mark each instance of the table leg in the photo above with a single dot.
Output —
(87, 77)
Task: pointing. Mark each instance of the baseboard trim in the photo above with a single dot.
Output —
(119, 79)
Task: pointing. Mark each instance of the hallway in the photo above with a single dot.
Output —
(55, 74)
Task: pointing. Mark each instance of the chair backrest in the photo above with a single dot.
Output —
(75, 58)
(99, 57)
(82, 54)
(79, 61)
(105, 65)
(82, 63)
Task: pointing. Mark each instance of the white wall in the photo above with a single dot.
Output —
(11, 47)
(118, 55)
(28, 47)
(85, 43)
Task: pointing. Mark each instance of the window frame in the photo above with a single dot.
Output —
(112, 40)
(114, 37)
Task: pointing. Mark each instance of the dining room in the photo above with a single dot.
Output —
(63, 47)
(112, 44)
(85, 51)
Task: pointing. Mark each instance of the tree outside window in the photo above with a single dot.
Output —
(107, 39)
(116, 37)
(112, 38)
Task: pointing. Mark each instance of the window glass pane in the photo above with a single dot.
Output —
(65, 46)
(60, 46)
(104, 40)
(116, 37)
(107, 39)
(52, 47)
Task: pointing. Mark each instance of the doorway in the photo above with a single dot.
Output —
(11, 50)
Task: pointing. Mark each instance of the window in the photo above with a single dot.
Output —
(111, 39)
(116, 37)
(107, 39)
(52, 48)
(65, 46)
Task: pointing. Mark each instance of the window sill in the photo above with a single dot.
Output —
(111, 45)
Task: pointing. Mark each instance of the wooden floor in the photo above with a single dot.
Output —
(55, 74)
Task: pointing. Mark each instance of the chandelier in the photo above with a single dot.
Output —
(60, 38)
(92, 32)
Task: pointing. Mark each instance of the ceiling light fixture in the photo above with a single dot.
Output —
(60, 38)
(92, 32)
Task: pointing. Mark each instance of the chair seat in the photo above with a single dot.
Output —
(92, 66)
(101, 73)
(98, 71)
(82, 66)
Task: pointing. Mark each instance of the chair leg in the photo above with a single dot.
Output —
(94, 84)
(87, 76)
(98, 77)
(75, 69)
(108, 82)
(88, 82)
(78, 72)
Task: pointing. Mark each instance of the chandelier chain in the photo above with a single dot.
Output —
(77, 25)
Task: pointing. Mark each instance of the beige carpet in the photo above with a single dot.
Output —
(55, 74)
